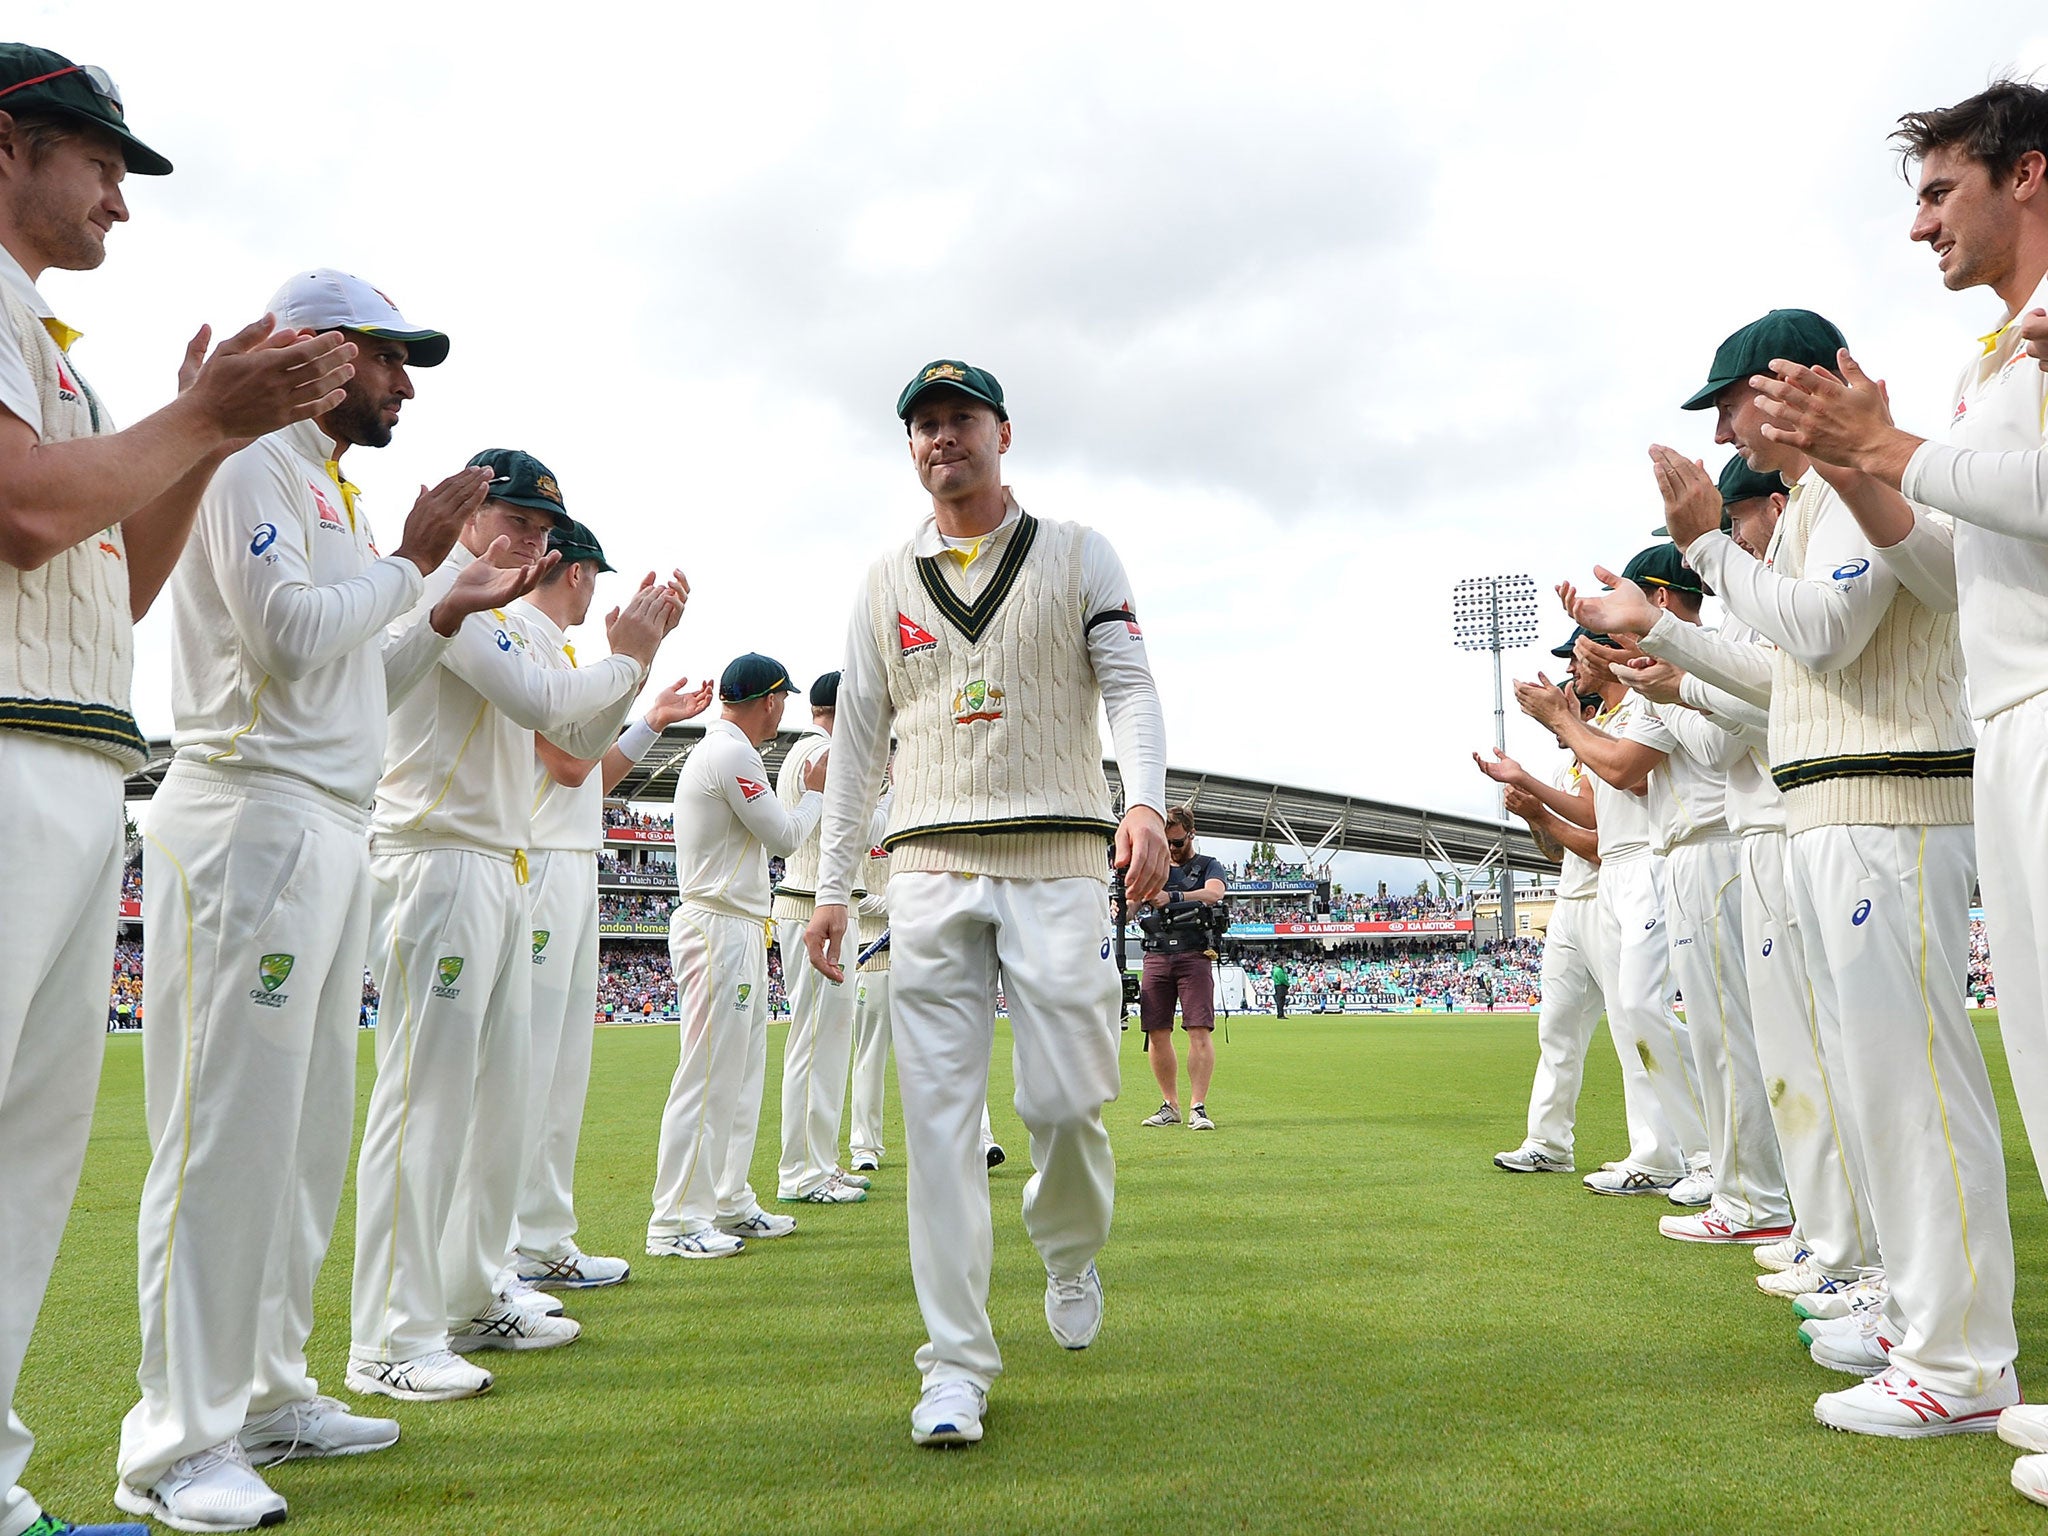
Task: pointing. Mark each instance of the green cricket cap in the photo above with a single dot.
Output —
(576, 542)
(1565, 651)
(1798, 335)
(523, 480)
(753, 676)
(825, 691)
(34, 81)
(1741, 483)
(950, 373)
(1661, 565)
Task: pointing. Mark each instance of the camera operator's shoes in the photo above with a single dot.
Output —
(1198, 1118)
(1073, 1308)
(1531, 1160)
(995, 1154)
(948, 1414)
(1166, 1115)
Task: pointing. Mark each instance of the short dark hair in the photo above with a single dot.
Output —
(1180, 816)
(1994, 127)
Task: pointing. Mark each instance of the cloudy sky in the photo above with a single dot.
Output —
(1312, 311)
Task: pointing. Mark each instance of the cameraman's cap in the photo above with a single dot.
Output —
(326, 299)
(1565, 651)
(1661, 565)
(825, 691)
(35, 80)
(576, 542)
(753, 676)
(1797, 335)
(520, 478)
(949, 373)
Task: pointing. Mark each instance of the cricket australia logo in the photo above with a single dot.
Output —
(272, 971)
(977, 701)
(540, 943)
(447, 969)
(746, 991)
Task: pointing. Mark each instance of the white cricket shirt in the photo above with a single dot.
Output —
(728, 820)
(563, 818)
(1576, 877)
(1622, 817)
(17, 388)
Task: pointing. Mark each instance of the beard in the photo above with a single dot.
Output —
(63, 239)
(359, 419)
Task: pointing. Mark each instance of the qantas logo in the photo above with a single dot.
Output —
(67, 389)
(1962, 410)
(914, 637)
(750, 789)
(878, 852)
(1131, 622)
(329, 518)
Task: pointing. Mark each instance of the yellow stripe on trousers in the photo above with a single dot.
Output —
(1934, 1074)
(185, 1152)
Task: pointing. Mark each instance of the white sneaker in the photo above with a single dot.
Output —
(867, 1162)
(1714, 1225)
(440, 1377)
(527, 1297)
(994, 1155)
(1198, 1118)
(574, 1271)
(831, 1192)
(213, 1490)
(1628, 1181)
(2029, 1473)
(316, 1426)
(2025, 1426)
(506, 1327)
(1531, 1160)
(858, 1181)
(1802, 1279)
(707, 1244)
(1165, 1114)
(1859, 1345)
(1893, 1404)
(948, 1414)
(1073, 1308)
(1696, 1188)
(761, 1224)
(1867, 1293)
(1783, 1254)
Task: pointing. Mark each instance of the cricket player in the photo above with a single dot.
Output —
(89, 533)
(866, 1145)
(727, 822)
(443, 1153)
(1684, 764)
(820, 1044)
(988, 642)
(1873, 746)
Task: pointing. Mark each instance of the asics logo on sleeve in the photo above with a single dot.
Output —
(1649, 925)
(504, 640)
(1852, 570)
(266, 535)
(1862, 913)
(1105, 949)
(1767, 946)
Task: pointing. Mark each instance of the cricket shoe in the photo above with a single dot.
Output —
(1715, 1225)
(2025, 1425)
(707, 1244)
(508, 1327)
(48, 1524)
(857, 1180)
(1697, 1188)
(866, 1162)
(527, 1297)
(573, 1271)
(1783, 1254)
(760, 1224)
(948, 1414)
(1628, 1181)
(1858, 1345)
(994, 1155)
(1866, 1293)
(213, 1490)
(1531, 1160)
(1165, 1114)
(1894, 1405)
(1073, 1308)
(314, 1426)
(1802, 1279)
(2029, 1476)
(1198, 1118)
(440, 1377)
(831, 1192)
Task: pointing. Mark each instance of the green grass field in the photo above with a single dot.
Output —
(1333, 1314)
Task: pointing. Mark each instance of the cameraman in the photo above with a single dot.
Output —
(1180, 938)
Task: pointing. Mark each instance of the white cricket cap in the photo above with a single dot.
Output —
(328, 300)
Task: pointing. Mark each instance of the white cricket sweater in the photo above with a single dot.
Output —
(564, 818)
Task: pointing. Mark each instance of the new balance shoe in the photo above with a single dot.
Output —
(1696, 1188)
(314, 1426)
(516, 1292)
(1714, 1225)
(2025, 1425)
(212, 1490)
(866, 1162)
(1531, 1160)
(1896, 1406)
(2029, 1476)
(1866, 1293)
(48, 1524)
(1628, 1181)
(573, 1271)
(948, 1414)
(762, 1224)
(1782, 1254)
(707, 1244)
(831, 1192)
(995, 1155)
(1165, 1114)
(1073, 1308)
(440, 1377)
(1198, 1118)
(857, 1180)
(1858, 1345)
(505, 1327)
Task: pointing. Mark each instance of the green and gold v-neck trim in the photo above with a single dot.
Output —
(973, 617)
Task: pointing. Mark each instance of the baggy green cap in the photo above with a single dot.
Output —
(1661, 565)
(950, 373)
(523, 480)
(1738, 482)
(573, 541)
(35, 80)
(1797, 335)
(1565, 651)
(753, 676)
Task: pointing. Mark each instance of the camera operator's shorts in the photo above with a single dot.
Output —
(1185, 977)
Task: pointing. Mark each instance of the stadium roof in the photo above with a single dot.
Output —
(1249, 810)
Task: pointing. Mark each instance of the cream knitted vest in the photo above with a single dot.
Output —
(872, 928)
(999, 759)
(69, 643)
(796, 897)
(1885, 741)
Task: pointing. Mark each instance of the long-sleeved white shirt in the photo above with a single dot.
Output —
(290, 637)
(860, 731)
(564, 817)
(1576, 877)
(1687, 790)
(458, 768)
(728, 820)
(1621, 817)
(1736, 733)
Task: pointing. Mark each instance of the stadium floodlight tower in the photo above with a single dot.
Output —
(1496, 613)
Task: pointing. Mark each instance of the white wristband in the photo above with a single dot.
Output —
(637, 740)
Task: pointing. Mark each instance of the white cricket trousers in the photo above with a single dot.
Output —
(1800, 1055)
(443, 1146)
(1052, 941)
(563, 886)
(1564, 1023)
(61, 827)
(2012, 846)
(708, 1128)
(814, 1062)
(1885, 911)
(870, 1064)
(1667, 1131)
(1703, 911)
(257, 914)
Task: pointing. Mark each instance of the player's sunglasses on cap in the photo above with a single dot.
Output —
(34, 80)
(753, 676)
